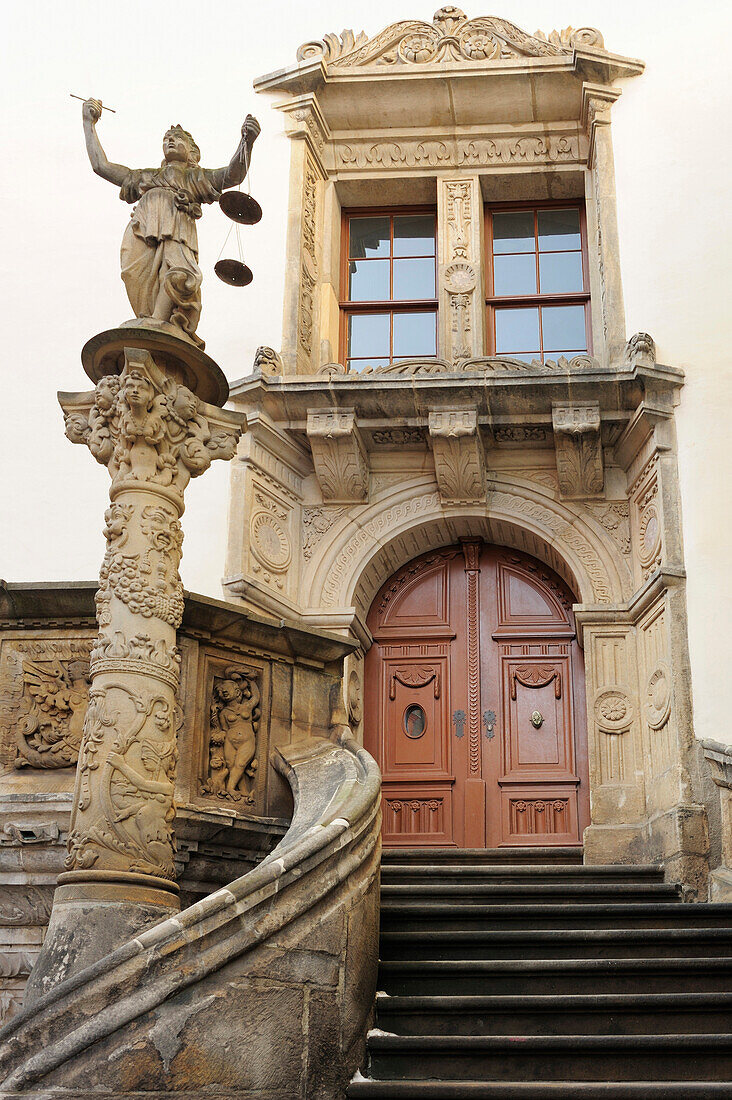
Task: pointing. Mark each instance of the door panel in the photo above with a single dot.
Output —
(475, 694)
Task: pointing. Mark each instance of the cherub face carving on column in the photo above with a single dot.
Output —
(160, 245)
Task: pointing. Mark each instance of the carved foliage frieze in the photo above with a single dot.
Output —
(234, 724)
(316, 522)
(459, 457)
(478, 151)
(45, 690)
(309, 257)
(339, 455)
(578, 449)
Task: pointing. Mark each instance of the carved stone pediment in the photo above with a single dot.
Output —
(339, 455)
(578, 449)
(451, 36)
(459, 457)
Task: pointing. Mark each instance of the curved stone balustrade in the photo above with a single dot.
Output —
(260, 986)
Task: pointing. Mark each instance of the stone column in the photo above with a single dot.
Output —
(153, 434)
(459, 256)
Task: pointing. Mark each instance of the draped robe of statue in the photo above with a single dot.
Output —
(160, 245)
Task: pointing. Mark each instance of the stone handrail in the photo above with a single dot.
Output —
(294, 939)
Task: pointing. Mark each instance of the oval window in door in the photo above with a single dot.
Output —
(415, 721)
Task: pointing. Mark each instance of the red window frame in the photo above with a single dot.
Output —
(386, 306)
(516, 301)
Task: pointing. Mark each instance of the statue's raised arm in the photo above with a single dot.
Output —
(234, 173)
(160, 246)
(91, 112)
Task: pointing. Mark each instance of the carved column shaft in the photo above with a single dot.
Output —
(459, 255)
(153, 435)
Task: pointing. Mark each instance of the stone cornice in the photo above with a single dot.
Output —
(70, 605)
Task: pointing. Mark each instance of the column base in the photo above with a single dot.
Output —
(93, 914)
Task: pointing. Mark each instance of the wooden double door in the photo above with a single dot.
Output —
(475, 702)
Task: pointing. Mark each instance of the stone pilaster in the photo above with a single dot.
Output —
(459, 264)
(153, 434)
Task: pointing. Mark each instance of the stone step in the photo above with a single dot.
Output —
(538, 976)
(551, 1058)
(598, 1014)
(595, 943)
(420, 874)
(455, 856)
(476, 893)
(539, 1090)
(406, 914)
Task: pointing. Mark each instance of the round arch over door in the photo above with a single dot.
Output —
(475, 702)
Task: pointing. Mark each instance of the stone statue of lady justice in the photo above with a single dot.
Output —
(159, 252)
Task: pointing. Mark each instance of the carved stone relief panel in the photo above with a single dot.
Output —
(578, 449)
(306, 328)
(614, 515)
(656, 704)
(234, 741)
(459, 456)
(316, 522)
(459, 213)
(44, 688)
(647, 521)
(270, 537)
(616, 754)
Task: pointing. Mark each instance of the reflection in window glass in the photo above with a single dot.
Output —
(368, 280)
(358, 365)
(414, 335)
(564, 328)
(514, 232)
(368, 237)
(559, 230)
(414, 235)
(368, 335)
(414, 279)
(560, 272)
(514, 274)
(517, 330)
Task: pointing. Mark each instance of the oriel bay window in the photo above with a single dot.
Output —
(538, 295)
(388, 287)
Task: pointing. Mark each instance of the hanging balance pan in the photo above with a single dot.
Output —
(240, 207)
(233, 272)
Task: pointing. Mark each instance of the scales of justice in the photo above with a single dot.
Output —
(155, 419)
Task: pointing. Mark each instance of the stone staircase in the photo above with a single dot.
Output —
(524, 974)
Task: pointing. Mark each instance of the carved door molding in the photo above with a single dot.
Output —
(475, 702)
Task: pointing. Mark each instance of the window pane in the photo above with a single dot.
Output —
(558, 229)
(514, 274)
(355, 366)
(368, 280)
(414, 278)
(414, 334)
(560, 272)
(368, 334)
(517, 330)
(414, 235)
(564, 328)
(368, 237)
(514, 232)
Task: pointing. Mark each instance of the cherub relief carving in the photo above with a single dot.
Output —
(235, 714)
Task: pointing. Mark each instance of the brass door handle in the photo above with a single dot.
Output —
(537, 719)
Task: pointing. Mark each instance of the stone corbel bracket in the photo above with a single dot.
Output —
(578, 449)
(339, 456)
(596, 103)
(459, 456)
(305, 120)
